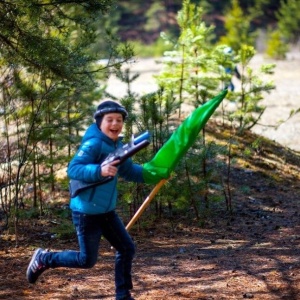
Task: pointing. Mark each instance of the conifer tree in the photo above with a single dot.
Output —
(276, 45)
(188, 65)
(237, 25)
(191, 77)
(289, 20)
(49, 82)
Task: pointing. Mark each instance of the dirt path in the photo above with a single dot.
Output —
(252, 254)
(279, 102)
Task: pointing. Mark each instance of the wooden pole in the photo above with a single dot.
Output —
(145, 204)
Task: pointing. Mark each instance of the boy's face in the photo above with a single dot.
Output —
(112, 125)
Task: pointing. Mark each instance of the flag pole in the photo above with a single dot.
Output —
(145, 204)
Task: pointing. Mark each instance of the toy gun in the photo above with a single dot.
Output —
(121, 154)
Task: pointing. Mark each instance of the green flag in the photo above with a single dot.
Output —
(166, 159)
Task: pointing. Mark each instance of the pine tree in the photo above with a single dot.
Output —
(237, 25)
(49, 82)
(188, 65)
(289, 20)
(276, 45)
(191, 76)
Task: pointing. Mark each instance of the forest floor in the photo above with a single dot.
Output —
(251, 253)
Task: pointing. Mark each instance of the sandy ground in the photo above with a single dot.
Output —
(279, 103)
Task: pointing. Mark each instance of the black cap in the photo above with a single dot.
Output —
(107, 107)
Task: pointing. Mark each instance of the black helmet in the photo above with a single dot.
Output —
(107, 107)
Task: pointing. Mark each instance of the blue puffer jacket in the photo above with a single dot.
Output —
(86, 166)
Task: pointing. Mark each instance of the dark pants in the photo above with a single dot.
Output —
(89, 230)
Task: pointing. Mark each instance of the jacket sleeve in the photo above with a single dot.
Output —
(131, 171)
(84, 165)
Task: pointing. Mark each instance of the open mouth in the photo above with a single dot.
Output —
(114, 132)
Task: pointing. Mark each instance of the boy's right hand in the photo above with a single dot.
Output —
(110, 169)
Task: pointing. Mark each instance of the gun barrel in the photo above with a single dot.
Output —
(141, 137)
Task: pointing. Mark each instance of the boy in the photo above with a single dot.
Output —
(93, 210)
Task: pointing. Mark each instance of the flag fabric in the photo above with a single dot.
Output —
(166, 159)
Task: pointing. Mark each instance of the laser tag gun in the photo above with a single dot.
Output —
(121, 154)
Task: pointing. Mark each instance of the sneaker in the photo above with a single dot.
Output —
(35, 267)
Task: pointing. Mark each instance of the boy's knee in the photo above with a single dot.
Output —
(87, 262)
(129, 251)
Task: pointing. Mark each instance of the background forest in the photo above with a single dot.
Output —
(56, 57)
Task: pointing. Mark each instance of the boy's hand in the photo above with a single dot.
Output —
(110, 169)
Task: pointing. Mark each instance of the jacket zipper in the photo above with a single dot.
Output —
(115, 181)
